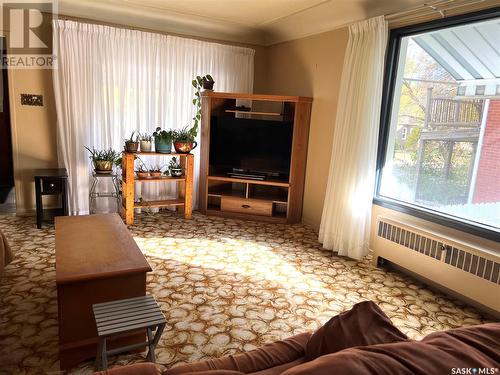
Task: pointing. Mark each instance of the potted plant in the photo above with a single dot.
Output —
(163, 140)
(174, 168)
(103, 160)
(184, 140)
(155, 171)
(132, 144)
(207, 82)
(142, 172)
(146, 143)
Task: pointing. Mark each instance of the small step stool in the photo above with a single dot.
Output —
(127, 315)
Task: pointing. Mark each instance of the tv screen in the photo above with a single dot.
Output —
(258, 146)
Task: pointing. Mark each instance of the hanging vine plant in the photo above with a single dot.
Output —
(199, 83)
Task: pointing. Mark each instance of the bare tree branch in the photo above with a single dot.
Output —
(412, 95)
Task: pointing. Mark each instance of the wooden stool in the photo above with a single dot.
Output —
(126, 315)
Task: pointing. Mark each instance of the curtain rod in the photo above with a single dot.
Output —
(438, 6)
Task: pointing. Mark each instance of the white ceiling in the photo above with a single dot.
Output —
(262, 22)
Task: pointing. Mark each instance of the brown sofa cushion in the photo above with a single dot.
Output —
(278, 370)
(438, 353)
(216, 372)
(364, 324)
(268, 356)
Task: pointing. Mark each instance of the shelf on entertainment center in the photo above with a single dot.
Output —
(226, 191)
(249, 181)
(278, 197)
(254, 112)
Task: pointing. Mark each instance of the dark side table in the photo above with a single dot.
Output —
(51, 182)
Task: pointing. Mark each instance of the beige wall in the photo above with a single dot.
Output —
(33, 132)
(34, 128)
(312, 66)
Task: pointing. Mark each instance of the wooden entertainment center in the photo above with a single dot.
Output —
(275, 197)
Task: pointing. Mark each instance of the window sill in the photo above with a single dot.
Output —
(449, 221)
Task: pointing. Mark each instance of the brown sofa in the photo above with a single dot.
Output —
(360, 341)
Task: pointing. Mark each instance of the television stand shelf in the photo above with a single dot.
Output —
(277, 200)
(185, 186)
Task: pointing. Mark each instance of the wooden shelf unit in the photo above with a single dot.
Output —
(278, 201)
(254, 112)
(184, 202)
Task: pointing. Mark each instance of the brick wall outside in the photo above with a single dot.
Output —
(487, 188)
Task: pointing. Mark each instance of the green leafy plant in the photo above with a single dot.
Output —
(166, 135)
(198, 85)
(174, 168)
(134, 137)
(184, 135)
(103, 155)
(146, 137)
(207, 80)
(155, 168)
(174, 163)
(142, 167)
(103, 160)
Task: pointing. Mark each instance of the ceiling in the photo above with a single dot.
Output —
(261, 22)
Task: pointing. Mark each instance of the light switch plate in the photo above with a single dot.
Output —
(32, 99)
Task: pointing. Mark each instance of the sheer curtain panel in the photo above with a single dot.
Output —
(110, 81)
(345, 223)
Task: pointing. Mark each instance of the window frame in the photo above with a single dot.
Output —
(390, 75)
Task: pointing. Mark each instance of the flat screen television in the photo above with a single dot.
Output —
(252, 146)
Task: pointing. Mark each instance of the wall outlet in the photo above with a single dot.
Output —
(32, 99)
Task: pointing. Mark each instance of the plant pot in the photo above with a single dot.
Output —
(175, 172)
(208, 85)
(146, 146)
(155, 173)
(163, 146)
(142, 174)
(131, 146)
(103, 166)
(185, 147)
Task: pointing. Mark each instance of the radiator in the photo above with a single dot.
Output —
(470, 271)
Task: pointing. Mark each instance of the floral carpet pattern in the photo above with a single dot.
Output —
(225, 286)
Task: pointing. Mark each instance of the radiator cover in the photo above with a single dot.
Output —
(471, 272)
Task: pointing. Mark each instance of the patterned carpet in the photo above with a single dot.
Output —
(225, 286)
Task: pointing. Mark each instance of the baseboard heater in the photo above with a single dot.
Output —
(473, 272)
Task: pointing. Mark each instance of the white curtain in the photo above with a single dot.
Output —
(110, 81)
(345, 223)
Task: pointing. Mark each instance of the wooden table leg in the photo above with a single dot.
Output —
(151, 348)
(98, 359)
(104, 355)
(39, 204)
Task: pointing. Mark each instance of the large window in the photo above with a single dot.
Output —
(440, 138)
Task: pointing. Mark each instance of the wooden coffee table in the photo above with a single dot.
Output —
(97, 260)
